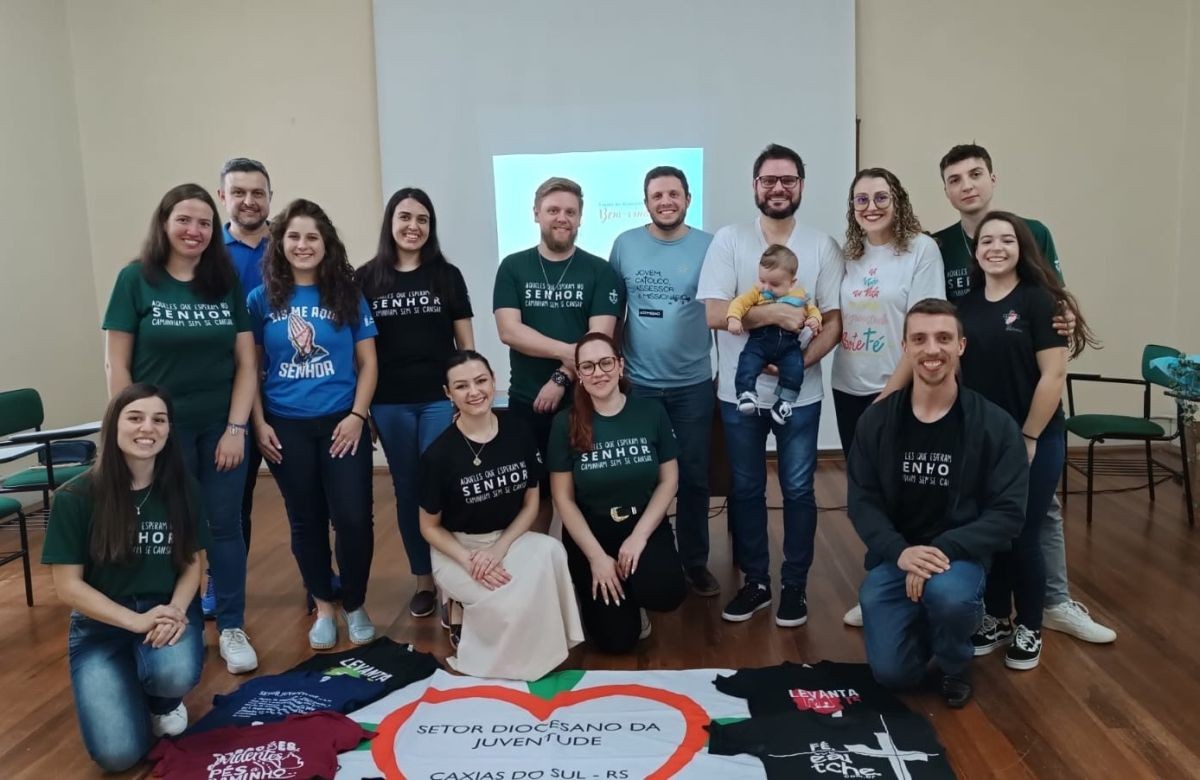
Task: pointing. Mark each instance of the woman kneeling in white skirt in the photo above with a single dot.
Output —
(479, 498)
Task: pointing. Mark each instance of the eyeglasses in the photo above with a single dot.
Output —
(605, 364)
(769, 182)
(861, 202)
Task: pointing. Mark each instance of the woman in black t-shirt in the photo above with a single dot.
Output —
(479, 497)
(612, 459)
(1015, 359)
(423, 313)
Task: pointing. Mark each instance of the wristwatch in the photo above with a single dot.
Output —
(235, 429)
(560, 378)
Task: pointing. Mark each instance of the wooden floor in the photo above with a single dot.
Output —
(1128, 710)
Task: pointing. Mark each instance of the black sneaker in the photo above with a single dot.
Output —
(423, 604)
(750, 599)
(702, 581)
(1026, 649)
(993, 633)
(956, 689)
(793, 607)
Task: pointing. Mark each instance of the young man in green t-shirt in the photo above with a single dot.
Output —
(969, 183)
(545, 299)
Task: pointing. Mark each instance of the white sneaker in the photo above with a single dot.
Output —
(1073, 618)
(646, 626)
(747, 403)
(236, 651)
(854, 616)
(172, 724)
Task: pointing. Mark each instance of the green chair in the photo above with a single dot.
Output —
(21, 410)
(1098, 428)
(8, 507)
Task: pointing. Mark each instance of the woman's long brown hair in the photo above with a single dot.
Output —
(114, 519)
(583, 411)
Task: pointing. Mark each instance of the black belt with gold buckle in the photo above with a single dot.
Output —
(620, 514)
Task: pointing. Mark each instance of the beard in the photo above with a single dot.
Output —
(671, 225)
(248, 224)
(553, 244)
(773, 213)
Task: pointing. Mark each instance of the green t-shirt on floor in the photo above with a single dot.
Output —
(621, 470)
(149, 572)
(957, 249)
(180, 341)
(555, 298)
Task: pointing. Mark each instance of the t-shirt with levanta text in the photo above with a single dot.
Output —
(300, 746)
(416, 332)
(180, 341)
(621, 469)
(926, 472)
(149, 571)
(555, 298)
(957, 249)
(480, 499)
(1003, 339)
(860, 744)
(827, 687)
(309, 359)
(384, 661)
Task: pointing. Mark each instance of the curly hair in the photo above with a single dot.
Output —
(905, 225)
(335, 276)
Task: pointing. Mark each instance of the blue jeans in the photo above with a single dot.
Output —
(222, 494)
(119, 682)
(771, 344)
(746, 444)
(690, 410)
(319, 489)
(1019, 576)
(901, 636)
(406, 431)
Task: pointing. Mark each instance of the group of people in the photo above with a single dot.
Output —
(270, 345)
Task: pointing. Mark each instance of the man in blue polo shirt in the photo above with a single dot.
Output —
(667, 346)
(245, 192)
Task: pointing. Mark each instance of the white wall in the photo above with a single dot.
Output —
(49, 338)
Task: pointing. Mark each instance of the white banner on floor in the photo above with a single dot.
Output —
(601, 725)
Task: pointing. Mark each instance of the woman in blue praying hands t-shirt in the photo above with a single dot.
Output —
(317, 344)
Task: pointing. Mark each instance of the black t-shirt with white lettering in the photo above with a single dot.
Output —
(1003, 339)
(796, 745)
(926, 472)
(384, 661)
(827, 688)
(416, 332)
(480, 499)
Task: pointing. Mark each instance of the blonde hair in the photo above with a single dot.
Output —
(557, 184)
(779, 256)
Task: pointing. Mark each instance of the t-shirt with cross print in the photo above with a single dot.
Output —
(859, 744)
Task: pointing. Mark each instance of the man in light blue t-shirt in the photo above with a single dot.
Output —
(667, 343)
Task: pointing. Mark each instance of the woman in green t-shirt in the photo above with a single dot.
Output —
(123, 544)
(613, 474)
(177, 319)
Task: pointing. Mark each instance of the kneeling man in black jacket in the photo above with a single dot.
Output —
(937, 482)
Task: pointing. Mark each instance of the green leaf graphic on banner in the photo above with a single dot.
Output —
(366, 743)
(557, 682)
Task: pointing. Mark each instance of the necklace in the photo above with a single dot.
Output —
(966, 240)
(145, 498)
(550, 289)
(477, 454)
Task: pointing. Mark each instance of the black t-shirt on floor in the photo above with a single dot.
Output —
(382, 661)
(416, 333)
(826, 687)
(1003, 339)
(798, 745)
(484, 498)
(926, 471)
